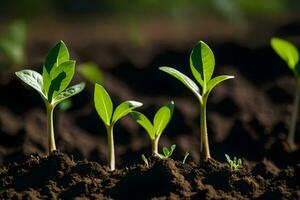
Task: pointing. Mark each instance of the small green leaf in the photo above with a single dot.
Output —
(71, 91)
(33, 79)
(202, 63)
(287, 51)
(56, 56)
(144, 122)
(166, 151)
(162, 118)
(103, 104)
(215, 81)
(184, 79)
(124, 109)
(91, 72)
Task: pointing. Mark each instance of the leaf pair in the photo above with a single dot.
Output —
(160, 121)
(289, 53)
(104, 106)
(202, 64)
(58, 72)
(167, 152)
(234, 164)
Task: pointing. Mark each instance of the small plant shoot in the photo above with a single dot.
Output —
(52, 85)
(155, 129)
(235, 164)
(289, 53)
(167, 152)
(202, 64)
(145, 160)
(104, 108)
(185, 157)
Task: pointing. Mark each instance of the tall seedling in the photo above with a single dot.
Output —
(289, 53)
(52, 85)
(104, 108)
(202, 64)
(155, 129)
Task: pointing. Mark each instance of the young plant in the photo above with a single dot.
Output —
(202, 64)
(145, 160)
(234, 164)
(104, 108)
(289, 53)
(185, 157)
(166, 152)
(58, 71)
(155, 129)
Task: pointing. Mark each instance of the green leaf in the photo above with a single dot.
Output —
(61, 77)
(144, 122)
(71, 91)
(287, 51)
(172, 149)
(124, 109)
(56, 56)
(215, 81)
(162, 118)
(166, 151)
(184, 79)
(103, 104)
(33, 79)
(91, 72)
(202, 63)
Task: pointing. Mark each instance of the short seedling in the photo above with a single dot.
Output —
(155, 129)
(234, 164)
(166, 152)
(289, 53)
(58, 71)
(104, 107)
(145, 160)
(185, 157)
(202, 64)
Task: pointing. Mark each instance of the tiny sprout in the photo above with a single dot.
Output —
(185, 157)
(289, 53)
(202, 64)
(234, 164)
(166, 152)
(155, 129)
(52, 85)
(145, 160)
(104, 108)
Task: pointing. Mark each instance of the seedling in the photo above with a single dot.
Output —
(185, 157)
(58, 71)
(289, 53)
(145, 160)
(104, 108)
(235, 164)
(166, 152)
(155, 129)
(202, 64)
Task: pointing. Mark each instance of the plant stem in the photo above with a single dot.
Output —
(204, 148)
(154, 146)
(292, 130)
(50, 129)
(111, 148)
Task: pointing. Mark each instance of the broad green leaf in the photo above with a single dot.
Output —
(287, 51)
(33, 79)
(56, 56)
(91, 72)
(124, 109)
(61, 77)
(162, 118)
(184, 79)
(202, 63)
(215, 81)
(144, 122)
(67, 93)
(103, 104)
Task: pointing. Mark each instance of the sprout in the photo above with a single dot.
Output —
(202, 64)
(161, 120)
(185, 157)
(234, 164)
(145, 160)
(166, 152)
(104, 108)
(58, 71)
(289, 53)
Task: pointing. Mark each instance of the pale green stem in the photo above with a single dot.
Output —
(292, 130)
(154, 144)
(50, 128)
(111, 148)
(204, 148)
